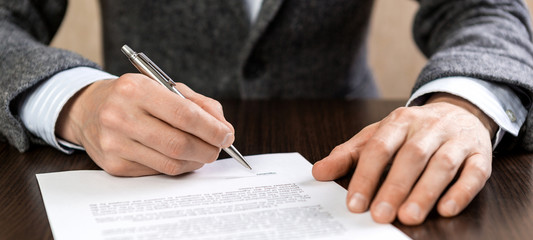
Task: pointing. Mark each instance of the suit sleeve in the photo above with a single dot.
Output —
(26, 27)
(484, 39)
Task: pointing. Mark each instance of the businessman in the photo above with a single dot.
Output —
(474, 91)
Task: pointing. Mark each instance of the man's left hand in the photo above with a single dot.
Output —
(428, 147)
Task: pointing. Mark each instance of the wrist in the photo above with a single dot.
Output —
(70, 119)
(65, 122)
(489, 124)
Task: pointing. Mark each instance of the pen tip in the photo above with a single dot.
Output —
(245, 164)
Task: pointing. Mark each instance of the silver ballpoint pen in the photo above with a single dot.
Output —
(148, 68)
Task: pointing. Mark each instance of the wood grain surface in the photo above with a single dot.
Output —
(503, 209)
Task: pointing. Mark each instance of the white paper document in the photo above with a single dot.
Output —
(279, 199)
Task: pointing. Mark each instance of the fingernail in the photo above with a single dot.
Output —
(451, 207)
(358, 203)
(227, 140)
(383, 210)
(413, 210)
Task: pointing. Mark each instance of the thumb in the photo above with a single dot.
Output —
(342, 158)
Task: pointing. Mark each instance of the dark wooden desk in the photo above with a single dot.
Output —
(503, 209)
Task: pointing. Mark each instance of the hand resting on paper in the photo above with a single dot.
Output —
(131, 126)
(428, 147)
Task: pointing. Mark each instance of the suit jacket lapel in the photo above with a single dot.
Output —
(268, 11)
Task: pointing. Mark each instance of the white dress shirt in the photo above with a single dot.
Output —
(40, 108)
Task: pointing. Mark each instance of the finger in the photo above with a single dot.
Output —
(105, 154)
(440, 171)
(214, 108)
(134, 152)
(208, 104)
(408, 165)
(115, 165)
(336, 164)
(343, 157)
(123, 168)
(378, 151)
(476, 171)
(187, 116)
(172, 142)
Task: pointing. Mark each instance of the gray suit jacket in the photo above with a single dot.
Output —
(295, 49)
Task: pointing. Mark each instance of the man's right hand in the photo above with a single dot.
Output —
(132, 126)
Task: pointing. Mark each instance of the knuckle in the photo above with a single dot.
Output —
(109, 144)
(176, 146)
(212, 155)
(181, 85)
(152, 137)
(212, 104)
(127, 86)
(448, 162)
(430, 195)
(401, 112)
(219, 135)
(381, 146)
(338, 148)
(362, 183)
(171, 167)
(485, 174)
(483, 170)
(403, 116)
(108, 117)
(215, 104)
(185, 115)
(116, 168)
(397, 188)
(417, 151)
(195, 166)
(346, 149)
(467, 191)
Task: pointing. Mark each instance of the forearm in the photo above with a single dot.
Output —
(39, 109)
(25, 29)
(483, 39)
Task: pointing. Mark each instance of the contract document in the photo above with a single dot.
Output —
(279, 199)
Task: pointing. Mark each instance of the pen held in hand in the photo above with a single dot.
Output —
(150, 69)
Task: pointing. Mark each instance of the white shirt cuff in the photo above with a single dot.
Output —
(40, 108)
(497, 101)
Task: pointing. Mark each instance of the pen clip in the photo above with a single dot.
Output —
(149, 62)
